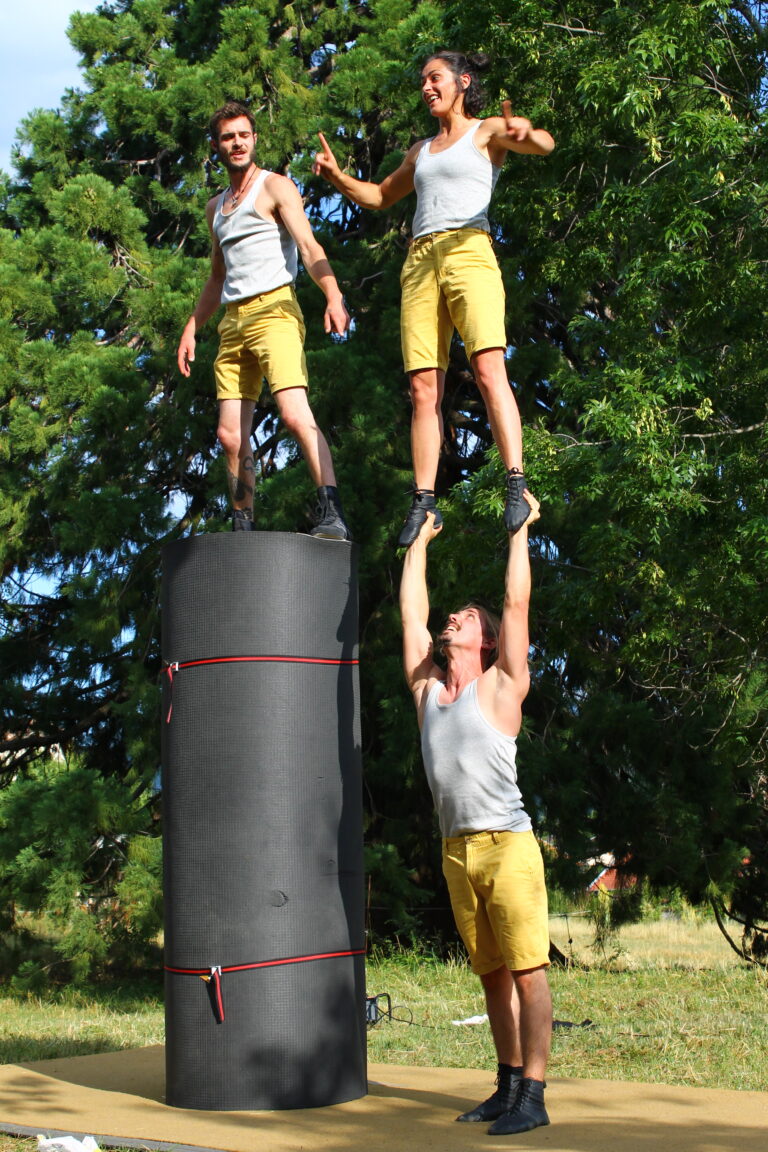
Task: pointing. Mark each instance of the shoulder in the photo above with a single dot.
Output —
(413, 152)
(212, 205)
(281, 187)
(491, 126)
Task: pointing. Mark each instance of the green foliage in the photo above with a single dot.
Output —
(78, 876)
(634, 261)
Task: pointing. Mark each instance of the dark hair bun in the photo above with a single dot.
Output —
(479, 61)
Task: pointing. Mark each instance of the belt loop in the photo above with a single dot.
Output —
(495, 836)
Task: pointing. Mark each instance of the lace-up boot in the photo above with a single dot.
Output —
(502, 1100)
(516, 507)
(423, 502)
(330, 523)
(527, 1112)
(242, 521)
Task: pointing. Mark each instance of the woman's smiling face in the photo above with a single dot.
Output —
(440, 89)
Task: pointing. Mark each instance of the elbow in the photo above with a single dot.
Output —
(516, 602)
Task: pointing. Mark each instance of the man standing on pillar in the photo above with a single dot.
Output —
(470, 716)
(258, 229)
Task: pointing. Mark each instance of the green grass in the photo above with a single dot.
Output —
(698, 1028)
(675, 1006)
(75, 1022)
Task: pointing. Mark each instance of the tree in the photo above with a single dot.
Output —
(634, 261)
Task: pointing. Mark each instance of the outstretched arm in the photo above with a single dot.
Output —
(418, 665)
(512, 659)
(287, 201)
(363, 192)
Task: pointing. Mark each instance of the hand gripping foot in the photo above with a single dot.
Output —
(423, 502)
(516, 507)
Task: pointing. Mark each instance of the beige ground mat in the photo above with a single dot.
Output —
(118, 1098)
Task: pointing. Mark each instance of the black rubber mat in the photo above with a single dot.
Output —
(262, 823)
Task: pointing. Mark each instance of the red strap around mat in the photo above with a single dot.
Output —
(173, 666)
(212, 975)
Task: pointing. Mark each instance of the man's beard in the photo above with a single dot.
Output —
(238, 165)
(444, 640)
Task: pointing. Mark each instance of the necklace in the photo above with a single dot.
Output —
(235, 198)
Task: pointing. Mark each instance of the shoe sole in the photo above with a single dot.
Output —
(401, 543)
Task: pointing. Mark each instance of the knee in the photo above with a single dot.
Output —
(492, 380)
(298, 422)
(425, 393)
(530, 981)
(229, 438)
(499, 978)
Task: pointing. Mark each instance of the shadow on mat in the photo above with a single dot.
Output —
(138, 1072)
(42, 1048)
(392, 1118)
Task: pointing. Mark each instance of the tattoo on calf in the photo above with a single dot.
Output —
(239, 489)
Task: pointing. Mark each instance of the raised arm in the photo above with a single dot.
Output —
(512, 660)
(508, 133)
(418, 664)
(209, 300)
(363, 192)
(288, 203)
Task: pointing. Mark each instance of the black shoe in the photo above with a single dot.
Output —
(526, 1113)
(331, 524)
(502, 1100)
(241, 521)
(516, 507)
(423, 502)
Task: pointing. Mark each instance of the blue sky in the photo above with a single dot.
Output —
(37, 62)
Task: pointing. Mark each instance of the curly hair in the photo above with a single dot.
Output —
(461, 65)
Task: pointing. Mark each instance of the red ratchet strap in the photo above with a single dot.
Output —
(212, 975)
(172, 667)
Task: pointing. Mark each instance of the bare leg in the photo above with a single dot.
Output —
(503, 1007)
(296, 414)
(503, 1013)
(427, 386)
(234, 433)
(501, 406)
(535, 1020)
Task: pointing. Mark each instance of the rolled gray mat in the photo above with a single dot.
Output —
(262, 818)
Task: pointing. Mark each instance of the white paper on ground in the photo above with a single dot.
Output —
(471, 1020)
(66, 1144)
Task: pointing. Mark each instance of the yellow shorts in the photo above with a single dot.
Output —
(262, 336)
(450, 280)
(499, 899)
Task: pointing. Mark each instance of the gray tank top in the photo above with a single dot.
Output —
(453, 187)
(259, 255)
(470, 767)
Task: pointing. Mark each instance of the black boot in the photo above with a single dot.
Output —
(242, 521)
(516, 507)
(423, 502)
(331, 524)
(527, 1112)
(502, 1100)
